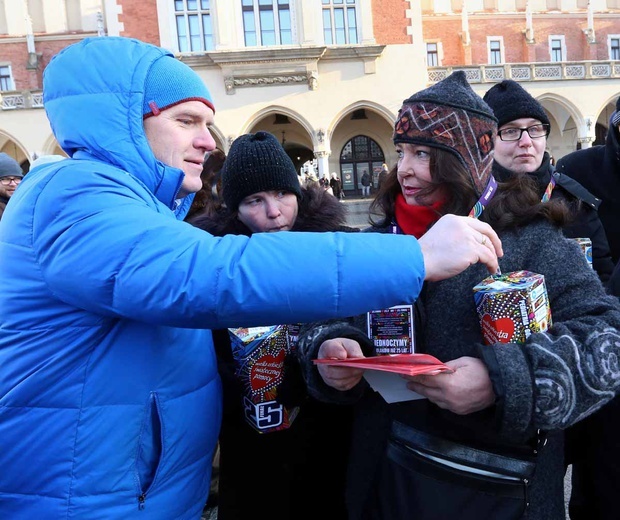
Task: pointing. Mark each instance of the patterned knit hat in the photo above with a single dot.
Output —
(510, 101)
(170, 82)
(451, 116)
(257, 162)
(9, 167)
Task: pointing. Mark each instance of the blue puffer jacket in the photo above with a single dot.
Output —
(110, 402)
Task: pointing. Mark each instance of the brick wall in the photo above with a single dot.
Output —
(447, 29)
(17, 55)
(139, 18)
(389, 21)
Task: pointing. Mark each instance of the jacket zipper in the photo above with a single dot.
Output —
(141, 501)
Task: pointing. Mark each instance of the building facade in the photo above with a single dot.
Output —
(327, 77)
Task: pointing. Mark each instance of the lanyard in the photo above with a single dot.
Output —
(487, 195)
(549, 189)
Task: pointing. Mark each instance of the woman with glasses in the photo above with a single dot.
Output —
(10, 176)
(520, 149)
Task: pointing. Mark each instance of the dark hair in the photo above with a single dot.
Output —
(208, 199)
(516, 203)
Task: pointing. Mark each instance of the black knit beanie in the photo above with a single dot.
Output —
(510, 101)
(451, 116)
(257, 162)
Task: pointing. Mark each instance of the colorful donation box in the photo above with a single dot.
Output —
(512, 306)
(260, 354)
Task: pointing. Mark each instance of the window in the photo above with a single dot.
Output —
(267, 22)
(6, 79)
(340, 22)
(194, 27)
(432, 55)
(614, 47)
(556, 48)
(358, 156)
(495, 51)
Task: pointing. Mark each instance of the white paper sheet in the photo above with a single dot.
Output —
(391, 386)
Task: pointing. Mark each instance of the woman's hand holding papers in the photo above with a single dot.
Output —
(466, 390)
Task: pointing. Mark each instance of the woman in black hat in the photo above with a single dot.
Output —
(293, 469)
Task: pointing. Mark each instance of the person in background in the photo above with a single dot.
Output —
(382, 175)
(520, 150)
(207, 200)
(11, 175)
(110, 399)
(593, 446)
(365, 182)
(482, 443)
(336, 186)
(302, 467)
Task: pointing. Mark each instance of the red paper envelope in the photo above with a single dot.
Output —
(407, 364)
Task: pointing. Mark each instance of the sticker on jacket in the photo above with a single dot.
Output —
(392, 330)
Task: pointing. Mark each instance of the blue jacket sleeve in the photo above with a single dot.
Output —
(113, 250)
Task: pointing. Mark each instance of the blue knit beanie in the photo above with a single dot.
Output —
(170, 82)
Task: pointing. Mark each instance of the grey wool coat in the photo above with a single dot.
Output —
(550, 382)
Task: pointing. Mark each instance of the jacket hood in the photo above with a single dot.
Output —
(96, 111)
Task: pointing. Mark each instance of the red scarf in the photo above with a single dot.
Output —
(415, 220)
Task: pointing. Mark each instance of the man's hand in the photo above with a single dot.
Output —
(340, 378)
(466, 390)
(454, 243)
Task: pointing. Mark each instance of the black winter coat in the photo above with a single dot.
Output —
(585, 221)
(598, 170)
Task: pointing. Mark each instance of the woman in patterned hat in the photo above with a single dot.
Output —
(483, 443)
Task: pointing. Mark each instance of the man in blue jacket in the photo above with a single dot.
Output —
(110, 402)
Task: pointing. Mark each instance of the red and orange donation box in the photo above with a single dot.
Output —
(512, 306)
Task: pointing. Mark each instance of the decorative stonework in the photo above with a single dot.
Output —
(231, 83)
(281, 66)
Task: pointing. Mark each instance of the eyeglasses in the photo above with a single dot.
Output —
(5, 181)
(534, 131)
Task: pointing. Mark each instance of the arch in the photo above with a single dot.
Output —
(278, 109)
(563, 103)
(302, 144)
(220, 141)
(376, 107)
(50, 147)
(341, 131)
(6, 137)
